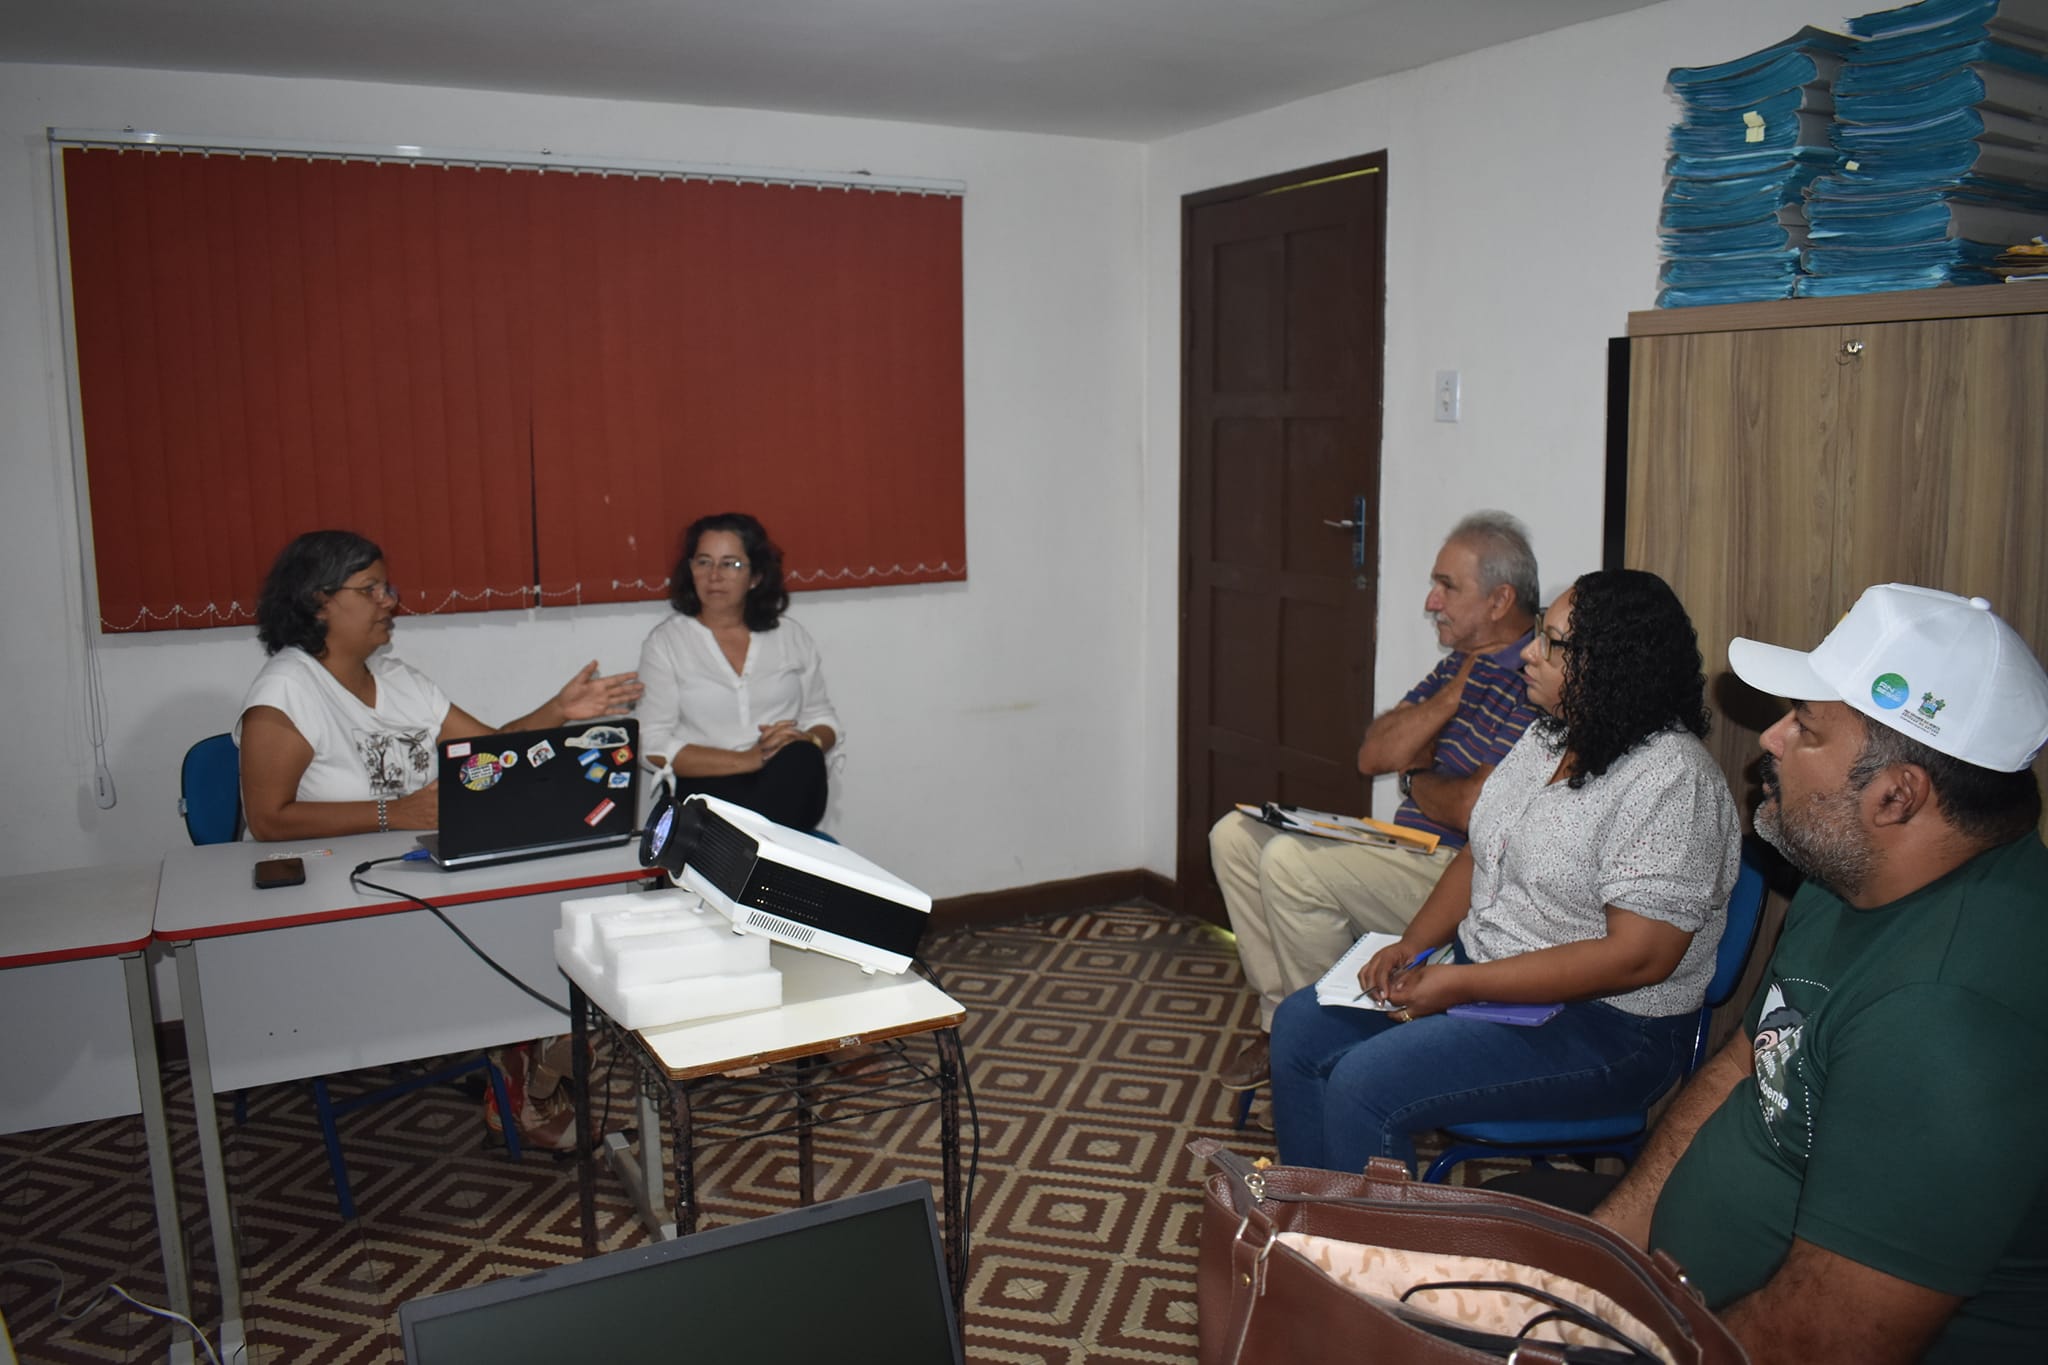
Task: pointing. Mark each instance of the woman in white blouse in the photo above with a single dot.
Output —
(735, 704)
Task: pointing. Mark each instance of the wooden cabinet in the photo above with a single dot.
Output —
(1782, 457)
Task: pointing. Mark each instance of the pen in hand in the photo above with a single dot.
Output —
(1412, 964)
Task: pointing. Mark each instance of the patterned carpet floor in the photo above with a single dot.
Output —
(1091, 1038)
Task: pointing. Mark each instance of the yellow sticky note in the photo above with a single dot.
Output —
(1755, 123)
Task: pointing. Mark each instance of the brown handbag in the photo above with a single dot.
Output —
(1300, 1265)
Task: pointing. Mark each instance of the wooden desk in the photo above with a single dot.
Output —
(827, 1004)
(309, 980)
(77, 1003)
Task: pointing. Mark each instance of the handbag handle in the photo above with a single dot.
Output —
(1560, 1310)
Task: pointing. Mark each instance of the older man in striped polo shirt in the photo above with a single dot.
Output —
(1297, 903)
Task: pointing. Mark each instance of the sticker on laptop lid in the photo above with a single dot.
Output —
(620, 779)
(588, 757)
(598, 737)
(459, 750)
(480, 773)
(598, 813)
(596, 772)
(508, 759)
(540, 753)
(621, 755)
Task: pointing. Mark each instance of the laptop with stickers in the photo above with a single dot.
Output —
(534, 793)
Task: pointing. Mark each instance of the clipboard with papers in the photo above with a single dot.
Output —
(1349, 829)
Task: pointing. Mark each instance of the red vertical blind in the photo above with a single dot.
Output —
(813, 379)
(511, 379)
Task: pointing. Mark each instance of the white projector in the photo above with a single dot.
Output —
(789, 886)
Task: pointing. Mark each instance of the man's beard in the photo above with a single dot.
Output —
(1825, 840)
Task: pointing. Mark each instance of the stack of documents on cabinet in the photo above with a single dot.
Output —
(1346, 829)
(2027, 262)
(1753, 136)
(1942, 128)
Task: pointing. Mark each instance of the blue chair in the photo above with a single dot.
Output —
(210, 799)
(1622, 1134)
(210, 791)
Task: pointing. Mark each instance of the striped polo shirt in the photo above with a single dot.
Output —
(1492, 713)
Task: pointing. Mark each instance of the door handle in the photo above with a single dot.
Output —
(1355, 524)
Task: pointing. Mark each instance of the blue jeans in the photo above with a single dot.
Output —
(1351, 1084)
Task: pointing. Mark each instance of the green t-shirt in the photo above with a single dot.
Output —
(1898, 1115)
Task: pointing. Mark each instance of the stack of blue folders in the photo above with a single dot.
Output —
(1754, 135)
(1942, 127)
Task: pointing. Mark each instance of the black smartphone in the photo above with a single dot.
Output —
(273, 872)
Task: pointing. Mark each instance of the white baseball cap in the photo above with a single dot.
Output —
(1929, 664)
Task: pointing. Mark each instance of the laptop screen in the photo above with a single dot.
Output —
(860, 1279)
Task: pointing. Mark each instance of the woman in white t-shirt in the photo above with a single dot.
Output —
(337, 736)
(736, 705)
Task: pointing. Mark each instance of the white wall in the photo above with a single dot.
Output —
(1522, 197)
(1020, 727)
(994, 725)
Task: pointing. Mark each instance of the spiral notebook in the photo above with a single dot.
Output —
(1339, 987)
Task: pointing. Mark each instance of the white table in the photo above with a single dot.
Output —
(76, 1000)
(309, 980)
(827, 1004)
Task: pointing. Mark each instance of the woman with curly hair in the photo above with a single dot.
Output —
(337, 735)
(1602, 852)
(736, 705)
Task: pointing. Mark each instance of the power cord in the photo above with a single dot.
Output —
(357, 880)
(64, 1282)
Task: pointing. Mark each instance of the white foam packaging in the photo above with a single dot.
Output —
(649, 958)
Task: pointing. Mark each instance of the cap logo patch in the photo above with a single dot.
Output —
(1890, 691)
(1922, 716)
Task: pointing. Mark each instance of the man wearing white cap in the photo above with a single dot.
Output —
(1862, 1175)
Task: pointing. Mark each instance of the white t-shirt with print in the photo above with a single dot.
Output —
(359, 753)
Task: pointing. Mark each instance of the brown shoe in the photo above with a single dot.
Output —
(1251, 1068)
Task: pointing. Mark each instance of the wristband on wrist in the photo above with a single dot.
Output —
(383, 816)
(1407, 781)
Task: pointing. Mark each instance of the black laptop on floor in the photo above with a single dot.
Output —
(534, 793)
(857, 1281)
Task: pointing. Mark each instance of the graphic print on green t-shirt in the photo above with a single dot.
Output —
(1781, 1093)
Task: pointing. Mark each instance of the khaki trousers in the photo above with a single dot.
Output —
(1297, 903)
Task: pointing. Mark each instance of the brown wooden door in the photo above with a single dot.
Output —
(1283, 283)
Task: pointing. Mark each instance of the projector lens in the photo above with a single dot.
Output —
(661, 828)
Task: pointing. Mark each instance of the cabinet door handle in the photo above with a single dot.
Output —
(1851, 349)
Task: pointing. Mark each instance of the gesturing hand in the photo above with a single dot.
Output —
(586, 695)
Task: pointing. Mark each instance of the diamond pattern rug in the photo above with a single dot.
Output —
(1092, 1041)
